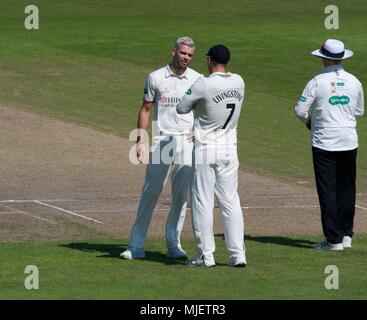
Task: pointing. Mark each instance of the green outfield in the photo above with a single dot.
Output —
(87, 64)
(279, 268)
(88, 61)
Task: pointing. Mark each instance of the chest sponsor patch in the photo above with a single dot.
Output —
(334, 100)
(169, 102)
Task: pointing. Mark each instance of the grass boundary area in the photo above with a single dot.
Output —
(279, 267)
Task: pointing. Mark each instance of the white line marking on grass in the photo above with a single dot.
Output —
(102, 210)
(67, 211)
(28, 214)
(281, 207)
(124, 199)
(15, 201)
(266, 196)
(359, 207)
(282, 196)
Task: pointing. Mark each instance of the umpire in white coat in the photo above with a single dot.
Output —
(329, 106)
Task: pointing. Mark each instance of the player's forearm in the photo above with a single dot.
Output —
(185, 106)
(143, 123)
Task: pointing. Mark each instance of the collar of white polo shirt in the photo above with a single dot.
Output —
(223, 74)
(169, 73)
(333, 68)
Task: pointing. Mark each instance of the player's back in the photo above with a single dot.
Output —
(218, 112)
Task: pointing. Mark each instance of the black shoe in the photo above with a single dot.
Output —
(240, 265)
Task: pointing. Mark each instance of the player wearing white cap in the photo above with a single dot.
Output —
(171, 152)
(218, 101)
(329, 106)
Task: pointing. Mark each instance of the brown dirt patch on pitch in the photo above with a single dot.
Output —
(88, 173)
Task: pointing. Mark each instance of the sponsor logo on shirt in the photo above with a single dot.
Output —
(340, 84)
(189, 92)
(334, 100)
(169, 102)
(303, 98)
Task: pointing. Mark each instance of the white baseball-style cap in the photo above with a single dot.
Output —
(333, 49)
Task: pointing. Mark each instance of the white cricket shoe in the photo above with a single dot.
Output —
(347, 242)
(133, 253)
(176, 253)
(238, 263)
(325, 245)
(199, 262)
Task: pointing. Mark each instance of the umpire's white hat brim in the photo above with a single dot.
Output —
(347, 54)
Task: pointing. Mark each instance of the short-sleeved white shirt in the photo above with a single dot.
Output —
(218, 100)
(166, 89)
(331, 102)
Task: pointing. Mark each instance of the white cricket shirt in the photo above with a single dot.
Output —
(166, 89)
(332, 101)
(218, 101)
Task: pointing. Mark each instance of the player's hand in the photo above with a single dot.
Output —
(190, 136)
(140, 151)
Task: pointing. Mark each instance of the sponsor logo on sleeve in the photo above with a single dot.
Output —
(189, 92)
(303, 99)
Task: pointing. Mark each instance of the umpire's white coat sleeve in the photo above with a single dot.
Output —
(192, 96)
(360, 103)
(303, 107)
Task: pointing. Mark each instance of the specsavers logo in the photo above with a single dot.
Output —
(334, 100)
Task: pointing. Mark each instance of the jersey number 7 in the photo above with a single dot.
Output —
(232, 107)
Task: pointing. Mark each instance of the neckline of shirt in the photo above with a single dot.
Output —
(220, 74)
(169, 73)
(336, 67)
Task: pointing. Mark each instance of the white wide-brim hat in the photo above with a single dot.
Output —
(334, 50)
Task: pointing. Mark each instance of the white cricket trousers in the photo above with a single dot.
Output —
(172, 157)
(217, 177)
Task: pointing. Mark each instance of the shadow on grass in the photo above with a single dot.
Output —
(113, 251)
(283, 241)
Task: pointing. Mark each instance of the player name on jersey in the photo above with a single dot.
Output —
(228, 94)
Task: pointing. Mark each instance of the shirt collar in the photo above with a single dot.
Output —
(169, 73)
(336, 67)
(224, 74)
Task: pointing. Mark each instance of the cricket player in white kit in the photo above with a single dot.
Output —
(171, 152)
(218, 101)
(329, 106)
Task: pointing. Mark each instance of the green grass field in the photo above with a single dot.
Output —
(88, 61)
(279, 268)
(87, 64)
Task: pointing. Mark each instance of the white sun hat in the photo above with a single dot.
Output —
(333, 49)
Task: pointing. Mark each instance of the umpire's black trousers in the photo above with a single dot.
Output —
(335, 174)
